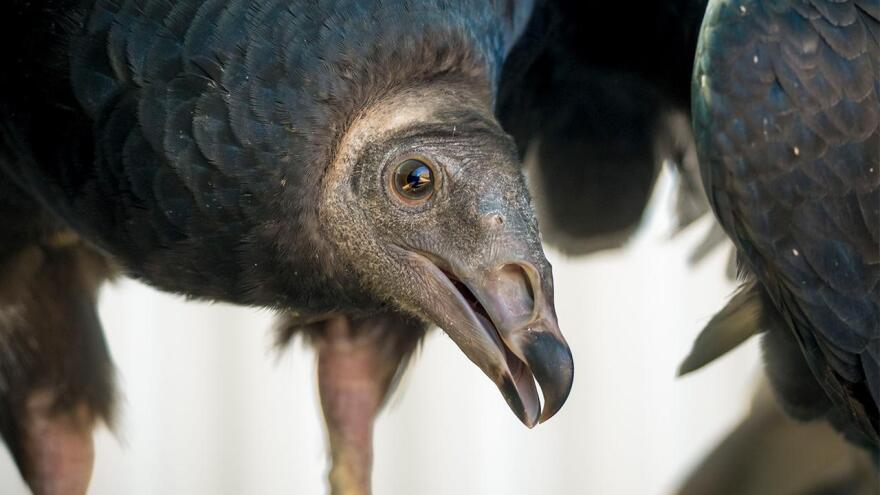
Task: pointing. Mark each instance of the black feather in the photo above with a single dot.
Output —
(786, 97)
(590, 94)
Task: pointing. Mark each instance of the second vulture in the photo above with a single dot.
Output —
(786, 102)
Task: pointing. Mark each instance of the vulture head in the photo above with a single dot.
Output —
(425, 207)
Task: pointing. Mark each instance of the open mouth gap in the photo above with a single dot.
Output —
(468, 296)
(514, 364)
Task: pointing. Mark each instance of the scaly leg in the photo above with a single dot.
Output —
(358, 361)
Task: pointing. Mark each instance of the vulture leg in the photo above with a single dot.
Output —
(55, 370)
(358, 363)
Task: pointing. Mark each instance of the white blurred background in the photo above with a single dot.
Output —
(209, 407)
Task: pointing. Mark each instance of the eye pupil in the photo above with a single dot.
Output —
(414, 180)
(418, 179)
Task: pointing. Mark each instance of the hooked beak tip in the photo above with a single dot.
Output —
(552, 365)
(548, 361)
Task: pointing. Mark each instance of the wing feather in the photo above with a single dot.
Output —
(788, 134)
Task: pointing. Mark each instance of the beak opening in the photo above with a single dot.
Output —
(503, 321)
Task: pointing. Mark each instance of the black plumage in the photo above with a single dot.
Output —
(249, 151)
(597, 97)
(195, 115)
(786, 101)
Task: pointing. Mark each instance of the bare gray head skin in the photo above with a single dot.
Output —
(461, 248)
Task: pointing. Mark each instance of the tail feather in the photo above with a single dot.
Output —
(733, 325)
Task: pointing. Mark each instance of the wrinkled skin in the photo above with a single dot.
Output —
(478, 227)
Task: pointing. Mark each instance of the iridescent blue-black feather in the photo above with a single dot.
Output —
(786, 101)
(195, 123)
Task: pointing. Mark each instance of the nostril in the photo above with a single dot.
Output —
(495, 219)
(518, 295)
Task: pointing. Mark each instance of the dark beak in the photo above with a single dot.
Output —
(504, 321)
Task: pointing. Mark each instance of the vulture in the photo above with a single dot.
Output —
(356, 166)
(786, 117)
(337, 161)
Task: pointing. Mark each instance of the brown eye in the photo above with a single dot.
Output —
(414, 180)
